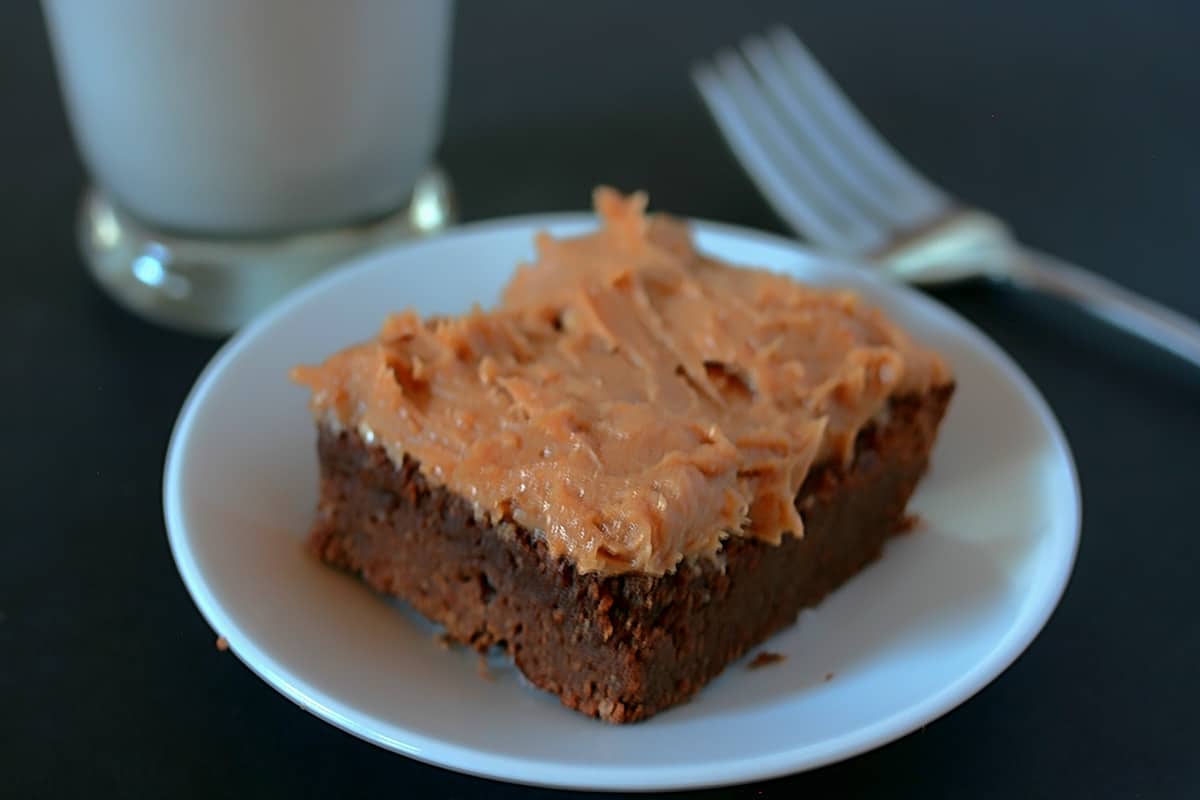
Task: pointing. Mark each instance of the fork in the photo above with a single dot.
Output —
(833, 179)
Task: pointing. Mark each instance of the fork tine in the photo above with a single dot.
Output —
(765, 150)
(829, 154)
(911, 192)
(815, 189)
(744, 143)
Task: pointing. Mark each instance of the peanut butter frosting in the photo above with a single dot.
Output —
(631, 401)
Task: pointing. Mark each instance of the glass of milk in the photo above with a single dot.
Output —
(237, 147)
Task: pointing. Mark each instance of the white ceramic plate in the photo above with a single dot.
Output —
(943, 613)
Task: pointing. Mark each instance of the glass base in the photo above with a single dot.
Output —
(214, 286)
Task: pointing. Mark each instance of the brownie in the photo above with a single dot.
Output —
(620, 647)
(638, 466)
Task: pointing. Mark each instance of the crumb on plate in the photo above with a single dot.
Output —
(764, 658)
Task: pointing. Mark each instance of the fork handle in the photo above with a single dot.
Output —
(1138, 315)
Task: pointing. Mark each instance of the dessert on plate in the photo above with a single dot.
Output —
(639, 466)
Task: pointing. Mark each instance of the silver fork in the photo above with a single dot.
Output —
(834, 180)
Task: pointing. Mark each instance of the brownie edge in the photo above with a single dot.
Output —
(618, 647)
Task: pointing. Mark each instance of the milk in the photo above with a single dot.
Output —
(252, 117)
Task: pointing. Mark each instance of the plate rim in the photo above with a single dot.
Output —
(448, 755)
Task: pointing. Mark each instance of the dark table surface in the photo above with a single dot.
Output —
(1078, 122)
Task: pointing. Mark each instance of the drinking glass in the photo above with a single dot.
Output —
(238, 147)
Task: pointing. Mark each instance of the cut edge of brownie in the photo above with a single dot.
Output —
(618, 647)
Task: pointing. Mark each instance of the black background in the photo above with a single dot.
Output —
(1079, 122)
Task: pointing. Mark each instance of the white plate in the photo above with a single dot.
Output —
(943, 613)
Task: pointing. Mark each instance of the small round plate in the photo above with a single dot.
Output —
(943, 612)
